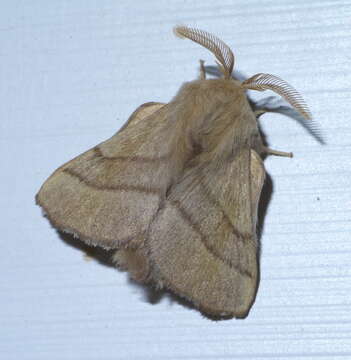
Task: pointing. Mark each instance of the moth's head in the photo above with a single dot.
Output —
(225, 61)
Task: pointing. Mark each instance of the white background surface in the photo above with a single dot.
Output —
(71, 73)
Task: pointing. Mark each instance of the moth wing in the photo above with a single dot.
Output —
(108, 195)
(203, 243)
(141, 113)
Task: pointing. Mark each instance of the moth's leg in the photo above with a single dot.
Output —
(202, 70)
(259, 112)
(269, 151)
(87, 257)
(265, 149)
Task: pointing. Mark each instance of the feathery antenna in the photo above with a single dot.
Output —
(263, 82)
(221, 50)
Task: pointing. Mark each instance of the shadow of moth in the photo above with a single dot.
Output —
(175, 192)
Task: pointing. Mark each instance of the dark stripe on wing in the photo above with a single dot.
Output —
(205, 241)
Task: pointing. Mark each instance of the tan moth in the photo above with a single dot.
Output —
(175, 192)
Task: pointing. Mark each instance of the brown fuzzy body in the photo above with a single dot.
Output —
(175, 192)
(216, 116)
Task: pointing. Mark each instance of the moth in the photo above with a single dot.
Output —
(175, 191)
